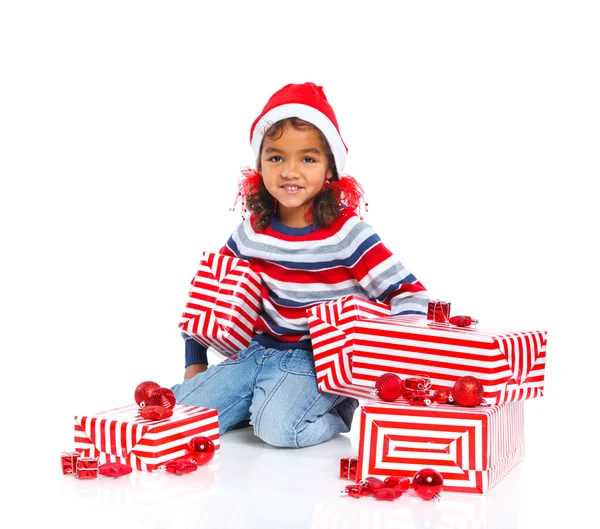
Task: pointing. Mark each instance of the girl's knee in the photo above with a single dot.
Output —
(276, 433)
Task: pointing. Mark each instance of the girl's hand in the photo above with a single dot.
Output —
(192, 370)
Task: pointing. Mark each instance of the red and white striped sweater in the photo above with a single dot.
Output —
(302, 267)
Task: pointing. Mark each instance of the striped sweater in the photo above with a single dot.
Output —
(302, 267)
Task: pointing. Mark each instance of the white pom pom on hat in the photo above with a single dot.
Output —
(306, 101)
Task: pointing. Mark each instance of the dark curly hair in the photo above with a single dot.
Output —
(324, 208)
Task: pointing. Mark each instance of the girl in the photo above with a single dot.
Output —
(307, 242)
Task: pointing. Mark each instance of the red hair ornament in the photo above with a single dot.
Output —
(250, 183)
(348, 194)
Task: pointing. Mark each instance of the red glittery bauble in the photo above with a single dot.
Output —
(201, 449)
(468, 391)
(428, 483)
(389, 387)
(443, 395)
(142, 392)
(162, 397)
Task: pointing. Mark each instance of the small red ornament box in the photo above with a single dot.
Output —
(87, 467)
(121, 435)
(348, 467)
(68, 461)
(223, 304)
(473, 448)
(355, 341)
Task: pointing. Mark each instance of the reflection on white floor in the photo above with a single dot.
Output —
(251, 485)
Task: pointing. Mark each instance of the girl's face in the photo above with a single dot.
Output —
(294, 170)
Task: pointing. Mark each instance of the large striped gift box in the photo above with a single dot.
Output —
(356, 341)
(223, 304)
(121, 435)
(473, 448)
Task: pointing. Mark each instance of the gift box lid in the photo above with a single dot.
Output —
(518, 350)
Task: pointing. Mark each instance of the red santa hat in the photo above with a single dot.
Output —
(305, 101)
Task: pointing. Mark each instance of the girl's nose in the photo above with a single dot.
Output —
(290, 169)
(290, 173)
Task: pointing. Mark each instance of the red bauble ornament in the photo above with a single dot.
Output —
(155, 413)
(468, 391)
(114, 470)
(443, 395)
(142, 392)
(388, 387)
(162, 397)
(428, 483)
(201, 450)
(401, 483)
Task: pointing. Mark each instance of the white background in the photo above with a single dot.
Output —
(473, 126)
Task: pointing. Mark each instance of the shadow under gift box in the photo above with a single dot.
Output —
(473, 448)
(355, 341)
(224, 302)
(121, 435)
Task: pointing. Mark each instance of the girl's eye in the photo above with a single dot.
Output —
(306, 159)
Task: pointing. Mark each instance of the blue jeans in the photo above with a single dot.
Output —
(276, 390)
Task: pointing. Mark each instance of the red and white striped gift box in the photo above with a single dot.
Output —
(331, 326)
(473, 448)
(509, 364)
(121, 435)
(223, 304)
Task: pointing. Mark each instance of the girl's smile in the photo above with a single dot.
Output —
(292, 190)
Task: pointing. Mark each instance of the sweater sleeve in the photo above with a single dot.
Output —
(195, 352)
(384, 278)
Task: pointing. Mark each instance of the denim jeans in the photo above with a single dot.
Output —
(276, 390)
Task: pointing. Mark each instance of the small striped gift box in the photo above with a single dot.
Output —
(473, 448)
(121, 435)
(224, 302)
(356, 341)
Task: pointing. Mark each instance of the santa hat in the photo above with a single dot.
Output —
(305, 101)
